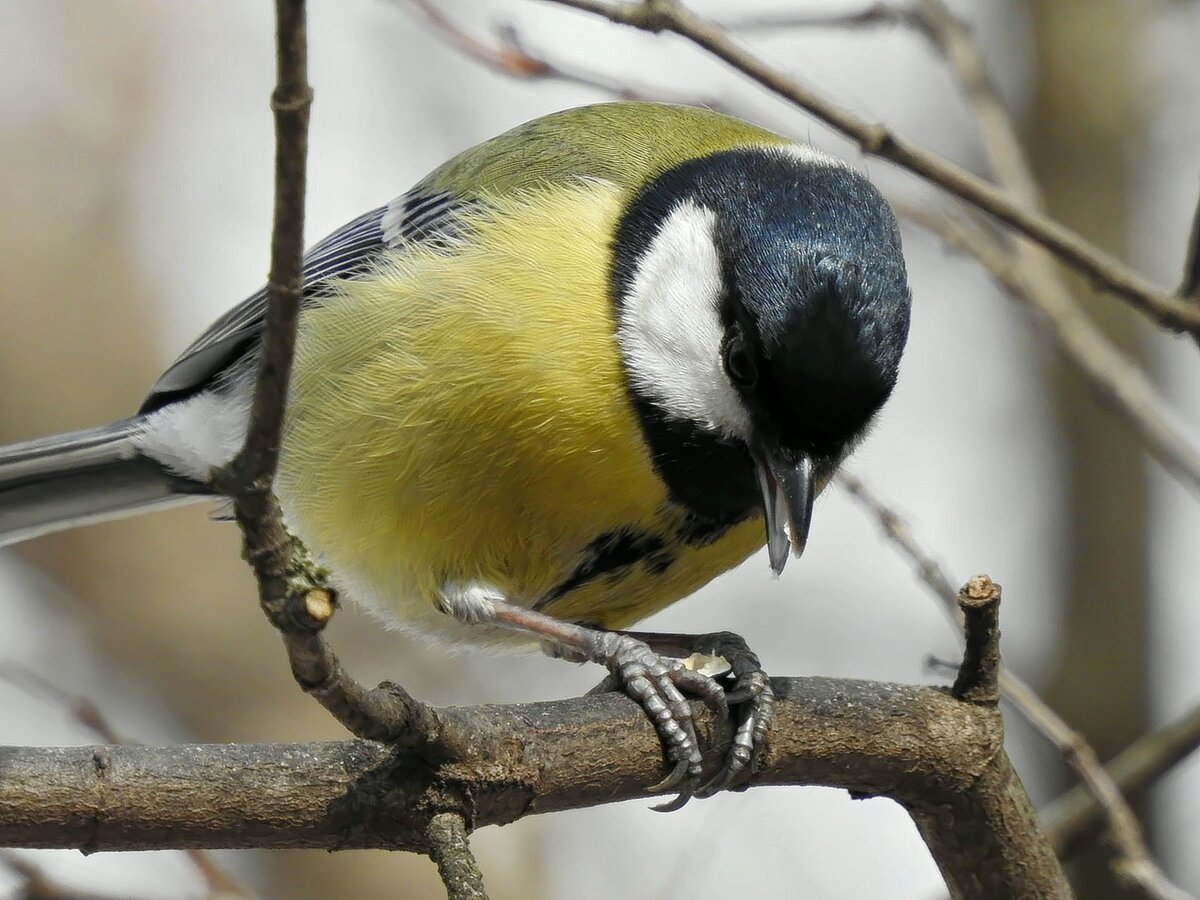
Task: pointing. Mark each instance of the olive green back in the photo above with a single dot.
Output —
(626, 143)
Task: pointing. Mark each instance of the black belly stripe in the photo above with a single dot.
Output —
(611, 557)
(616, 554)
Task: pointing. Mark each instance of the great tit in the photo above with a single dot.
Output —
(568, 378)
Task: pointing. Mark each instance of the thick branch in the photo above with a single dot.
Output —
(1101, 268)
(940, 758)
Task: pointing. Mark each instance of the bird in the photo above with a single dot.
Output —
(564, 381)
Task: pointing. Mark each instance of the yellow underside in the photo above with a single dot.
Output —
(462, 417)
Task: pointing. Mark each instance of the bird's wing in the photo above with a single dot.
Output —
(419, 215)
(623, 144)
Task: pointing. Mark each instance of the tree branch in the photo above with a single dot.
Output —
(1029, 274)
(293, 590)
(247, 480)
(456, 864)
(877, 14)
(1101, 268)
(941, 759)
(1116, 381)
(514, 59)
(1189, 288)
(1132, 861)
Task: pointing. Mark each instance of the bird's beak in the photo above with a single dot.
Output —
(787, 493)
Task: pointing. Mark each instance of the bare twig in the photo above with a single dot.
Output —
(1075, 816)
(899, 533)
(1101, 268)
(290, 102)
(1026, 271)
(1190, 287)
(248, 479)
(385, 713)
(293, 591)
(512, 57)
(1116, 381)
(1132, 862)
(878, 14)
(449, 848)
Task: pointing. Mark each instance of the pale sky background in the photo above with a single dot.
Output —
(964, 449)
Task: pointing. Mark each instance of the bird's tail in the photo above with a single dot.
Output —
(55, 483)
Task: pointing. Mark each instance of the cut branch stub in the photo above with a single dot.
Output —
(978, 678)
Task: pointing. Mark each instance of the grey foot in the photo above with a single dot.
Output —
(749, 691)
(658, 683)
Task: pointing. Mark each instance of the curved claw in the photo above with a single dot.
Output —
(673, 780)
(752, 691)
(679, 802)
(657, 682)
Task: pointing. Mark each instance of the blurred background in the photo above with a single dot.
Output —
(135, 190)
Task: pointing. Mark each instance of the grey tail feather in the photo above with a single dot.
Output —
(55, 483)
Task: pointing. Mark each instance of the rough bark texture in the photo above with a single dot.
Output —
(941, 758)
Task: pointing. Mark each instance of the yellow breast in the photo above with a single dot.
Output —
(463, 417)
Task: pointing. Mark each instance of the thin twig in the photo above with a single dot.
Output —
(1101, 268)
(1132, 862)
(1117, 382)
(385, 713)
(248, 479)
(878, 14)
(293, 590)
(1075, 816)
(290, 102)
(449, 848)
(87, 713)
(1189, 288)
(513, 57)
(1026, 271)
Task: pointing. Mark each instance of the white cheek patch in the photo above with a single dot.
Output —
(669, 326)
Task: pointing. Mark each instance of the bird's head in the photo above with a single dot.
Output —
(762, 309)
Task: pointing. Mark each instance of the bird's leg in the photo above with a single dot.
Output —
(750, 690)
(654, 681)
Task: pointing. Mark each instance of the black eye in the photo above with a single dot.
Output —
(739, 363)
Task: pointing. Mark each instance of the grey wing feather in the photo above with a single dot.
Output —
(419, 215)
